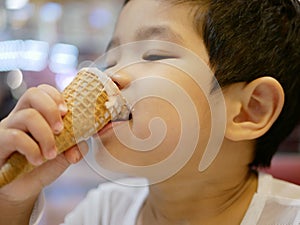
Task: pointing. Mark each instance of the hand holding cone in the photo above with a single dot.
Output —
(93, 100)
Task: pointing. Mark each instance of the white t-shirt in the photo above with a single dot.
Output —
(276, 202)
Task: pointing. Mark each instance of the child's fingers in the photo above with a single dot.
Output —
(56, 96)
(76, 153)
(41, 101)
(35, 118)
(32, 122)
(13, 139)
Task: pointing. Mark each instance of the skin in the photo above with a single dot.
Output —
(42, 118)
(211, 196)
(219, 195)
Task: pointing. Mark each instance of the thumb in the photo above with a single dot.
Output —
(49, 171)
(52, 169)
(30, 184)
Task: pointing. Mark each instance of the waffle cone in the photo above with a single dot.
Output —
(93, 100)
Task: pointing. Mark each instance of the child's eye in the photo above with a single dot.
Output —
(107, 65)
(156, 57)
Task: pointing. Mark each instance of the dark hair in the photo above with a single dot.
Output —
(248, 39)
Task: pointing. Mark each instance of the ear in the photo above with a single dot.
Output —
(252, 108)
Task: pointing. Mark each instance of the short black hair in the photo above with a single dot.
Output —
(248, 39)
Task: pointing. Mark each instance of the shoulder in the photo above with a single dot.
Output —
(277, 188)
(124, 184)
(114, 192)
(275, 202)
(111, 203)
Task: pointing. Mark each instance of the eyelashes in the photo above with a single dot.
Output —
(107, 65)
(157, 57)
(151, 57)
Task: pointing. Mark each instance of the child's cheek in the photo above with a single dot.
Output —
(157, 120)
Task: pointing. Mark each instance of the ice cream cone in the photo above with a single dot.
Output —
(93, 100)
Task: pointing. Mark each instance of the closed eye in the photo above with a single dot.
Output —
(157, 57)
(107, 66)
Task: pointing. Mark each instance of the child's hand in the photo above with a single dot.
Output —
(30, 130)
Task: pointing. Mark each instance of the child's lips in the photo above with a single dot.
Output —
(111, 124)
(105, 128)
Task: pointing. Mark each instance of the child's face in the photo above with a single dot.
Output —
(149, 83)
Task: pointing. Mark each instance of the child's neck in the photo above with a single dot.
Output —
(204, 203)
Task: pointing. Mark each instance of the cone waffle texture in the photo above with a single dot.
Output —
(92, 100)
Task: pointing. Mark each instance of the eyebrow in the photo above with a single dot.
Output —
(163, 32)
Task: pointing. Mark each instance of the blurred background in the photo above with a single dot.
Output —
(46, 42)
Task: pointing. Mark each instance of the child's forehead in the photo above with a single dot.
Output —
(161, 19)
(152, 32)
(149, 8)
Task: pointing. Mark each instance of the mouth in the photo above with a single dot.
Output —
(112, 123)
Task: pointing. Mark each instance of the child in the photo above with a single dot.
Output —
(252, 47)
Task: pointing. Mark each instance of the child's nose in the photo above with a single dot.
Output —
(121, 79)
